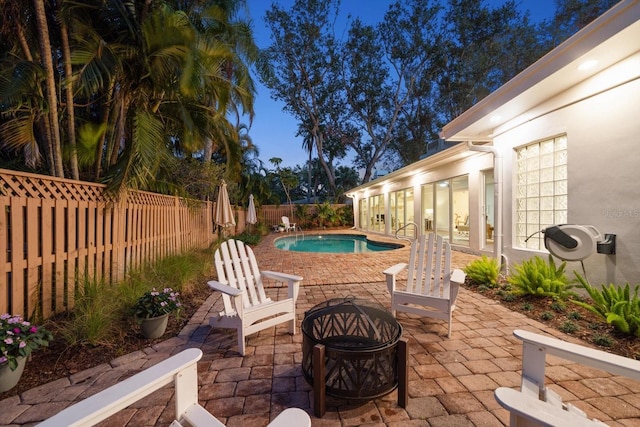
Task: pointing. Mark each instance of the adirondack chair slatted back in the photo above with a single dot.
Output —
(431, 261)
(237, 267)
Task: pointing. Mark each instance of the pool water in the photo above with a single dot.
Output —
(332, 243)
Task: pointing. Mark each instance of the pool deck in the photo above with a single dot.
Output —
(451, 381)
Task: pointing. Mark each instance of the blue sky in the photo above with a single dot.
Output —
(273, 130)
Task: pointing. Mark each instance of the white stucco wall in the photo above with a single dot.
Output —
(601, 120)
(603, 136)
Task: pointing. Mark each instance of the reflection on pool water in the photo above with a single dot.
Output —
(333, 243)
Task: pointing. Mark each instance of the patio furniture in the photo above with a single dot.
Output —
(180, 369)
(353, 349)
(288, 225)
(431, 287)
(246, 306)
(535, 404)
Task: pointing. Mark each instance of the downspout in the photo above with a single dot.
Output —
(497, 196)
(353, 203)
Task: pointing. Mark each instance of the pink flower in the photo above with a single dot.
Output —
(3, 359)
(33, 329)
(17, 331)
(22, 344)
(8, 341)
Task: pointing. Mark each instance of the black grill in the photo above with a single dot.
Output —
(358, 341)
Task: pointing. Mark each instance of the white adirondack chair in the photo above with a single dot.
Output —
(181, 369)
(288, 226)
(536, 405)
(246, 307)
(432, 287)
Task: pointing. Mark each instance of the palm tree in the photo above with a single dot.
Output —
(179, 100)
(68, 84)
(52, 126)
(153, 82)
(22, 102)
(308, 145)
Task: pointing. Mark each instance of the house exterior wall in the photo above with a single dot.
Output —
(600, 118)
(603, 137)
(471, 165)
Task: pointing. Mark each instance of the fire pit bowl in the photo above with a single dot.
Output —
(352, 349)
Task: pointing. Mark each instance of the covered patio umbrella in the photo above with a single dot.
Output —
(223, 215)
(252, 217)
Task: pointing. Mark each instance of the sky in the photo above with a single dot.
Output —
(273, 130)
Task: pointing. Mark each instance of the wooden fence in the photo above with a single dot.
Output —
(272, 215)
(55, 233)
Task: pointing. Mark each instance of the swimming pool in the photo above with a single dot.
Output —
(333, 243)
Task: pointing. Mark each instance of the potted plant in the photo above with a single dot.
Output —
(18, 338)
(152, 311)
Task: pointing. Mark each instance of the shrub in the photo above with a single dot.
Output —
(96, 311)
(568, 327)
(303, 215)
(527, 306)
(547, 315)
(618, 306)
(508, 297)
(558, 306)
(249, 238)
(575, 315)
(602, 340)
(539, 278)
(483, 271)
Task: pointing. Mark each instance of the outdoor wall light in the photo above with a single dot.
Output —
(587, 65)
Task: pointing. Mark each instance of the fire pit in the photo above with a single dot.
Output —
(352, 349)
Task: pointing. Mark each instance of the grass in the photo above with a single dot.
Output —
(101, 309)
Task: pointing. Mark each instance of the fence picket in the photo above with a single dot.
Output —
(5, 261)
(17, 293)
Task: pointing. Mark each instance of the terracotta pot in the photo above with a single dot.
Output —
(154, 327)
(8, 378)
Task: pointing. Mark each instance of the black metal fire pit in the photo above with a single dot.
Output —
(352, 349)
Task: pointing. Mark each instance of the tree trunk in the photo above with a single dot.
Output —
(50, 81)
(309, 192)
(71, 121)
(23, 42)
(327, 168)
(208, 150)
(100, 147)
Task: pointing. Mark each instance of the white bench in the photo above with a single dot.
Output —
(534, 404)
(181, 369)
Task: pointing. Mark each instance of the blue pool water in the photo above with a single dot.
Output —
(332, 243)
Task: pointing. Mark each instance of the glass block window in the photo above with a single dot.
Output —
(541, 189)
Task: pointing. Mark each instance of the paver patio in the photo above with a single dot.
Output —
(451, 381)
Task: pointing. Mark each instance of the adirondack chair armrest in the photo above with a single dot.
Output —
(530, 407)
(281, 277)
(594, 358)
(458, 276)
(395, 269)
(225, 289)
(535, 402)
(391, 274)
(292, 281)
